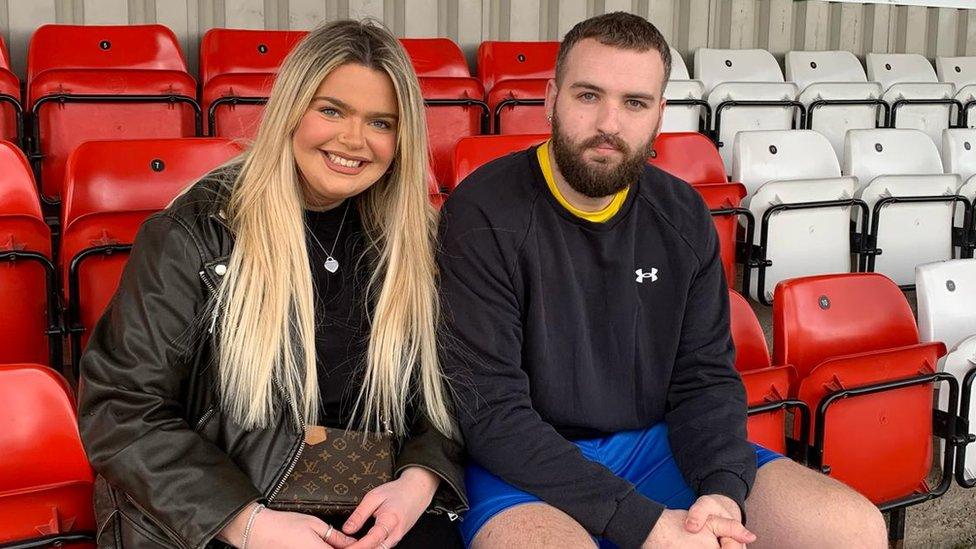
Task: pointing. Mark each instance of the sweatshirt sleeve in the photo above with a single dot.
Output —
(706, 414)
(482, 357)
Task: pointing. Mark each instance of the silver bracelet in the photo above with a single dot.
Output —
(250, 522)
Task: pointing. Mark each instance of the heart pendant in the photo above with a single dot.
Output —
(331, 265)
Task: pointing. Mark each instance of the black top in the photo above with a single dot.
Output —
(341, 328)
(566, 328)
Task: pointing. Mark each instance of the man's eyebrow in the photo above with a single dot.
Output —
(593, 87)
(347, 107)
(587, 86)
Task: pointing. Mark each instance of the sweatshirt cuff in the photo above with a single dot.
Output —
(726, 484)
(632, 522)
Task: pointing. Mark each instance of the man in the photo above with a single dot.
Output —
(590, 345)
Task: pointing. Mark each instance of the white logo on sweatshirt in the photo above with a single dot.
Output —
(641, 275)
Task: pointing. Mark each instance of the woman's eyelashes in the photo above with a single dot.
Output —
(378, 123)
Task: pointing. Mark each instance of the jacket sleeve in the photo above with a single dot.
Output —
(706, 414)
(133, 375)
(429, 448)
(483, 358)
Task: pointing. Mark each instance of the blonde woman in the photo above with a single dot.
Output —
(283, 298)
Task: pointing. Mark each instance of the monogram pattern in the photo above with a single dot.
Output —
(335, 474)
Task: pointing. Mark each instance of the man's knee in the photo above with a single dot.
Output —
(791, 503)
(857, 519)
(532, 525)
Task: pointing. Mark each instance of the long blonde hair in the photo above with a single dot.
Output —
(267, 327)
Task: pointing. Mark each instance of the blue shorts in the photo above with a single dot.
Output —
(642, 457)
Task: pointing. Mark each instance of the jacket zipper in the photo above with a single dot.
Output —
(301, 447)
(216, 309)
(294, 460)
(203, 419)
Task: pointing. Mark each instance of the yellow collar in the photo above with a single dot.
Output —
(600, 216)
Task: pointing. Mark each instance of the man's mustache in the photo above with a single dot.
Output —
(606, 139)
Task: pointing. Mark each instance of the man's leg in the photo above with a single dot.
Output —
(504, 517)
(535, 525)
(793, 506)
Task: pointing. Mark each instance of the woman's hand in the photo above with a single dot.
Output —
(396, 506)
(282, 529)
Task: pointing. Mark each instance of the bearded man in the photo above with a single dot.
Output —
(587, 338)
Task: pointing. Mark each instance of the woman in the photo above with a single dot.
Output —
(292, 288)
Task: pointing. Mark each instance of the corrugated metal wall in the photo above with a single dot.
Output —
(776, 25)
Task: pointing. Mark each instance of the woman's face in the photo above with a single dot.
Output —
(346, 139)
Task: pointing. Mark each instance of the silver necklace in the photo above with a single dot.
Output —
(331, 264)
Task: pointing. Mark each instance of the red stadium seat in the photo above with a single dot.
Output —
(693, 158)
(104, 82)
(849, 331)
(10, 110)
(237, 70)
(765, 385)
(106, 202)
(473, 152)
(723, 200)
(498, 60)
(436, 57)
(751, 352)
(454, 100)
(515, 75)
(45, 479)
(455, 110)
(689, 156)
(26, 272)
(242, 51)
(518, 106)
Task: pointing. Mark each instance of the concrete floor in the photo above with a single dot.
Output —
(947, 522)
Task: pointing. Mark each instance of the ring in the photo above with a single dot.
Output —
(328, 533)
(387, 531)
(383, 545)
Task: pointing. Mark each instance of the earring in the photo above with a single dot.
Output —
(549, 118)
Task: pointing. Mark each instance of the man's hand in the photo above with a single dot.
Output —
(718, 532)
(723, 508)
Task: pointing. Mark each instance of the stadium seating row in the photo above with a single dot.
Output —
(133, 81)
(848, 391)
(893, 204)
(792, 211)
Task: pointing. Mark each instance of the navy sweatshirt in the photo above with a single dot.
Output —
(560, 328)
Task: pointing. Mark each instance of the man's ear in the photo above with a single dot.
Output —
(551, 91)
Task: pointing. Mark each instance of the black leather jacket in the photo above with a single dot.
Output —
(172, 469)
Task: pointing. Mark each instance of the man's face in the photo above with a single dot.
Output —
(606, 113)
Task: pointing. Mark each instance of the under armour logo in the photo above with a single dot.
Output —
(641, 275)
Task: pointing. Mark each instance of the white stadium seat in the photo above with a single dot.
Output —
(791, 167)
(958, 362)
(824, 76)
(959, 157)
(946, 292)
(681, 117)
(961, 71)
(910, 76)
(901, 169)
(736, 76)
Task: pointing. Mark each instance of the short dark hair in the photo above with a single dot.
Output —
(620, 30)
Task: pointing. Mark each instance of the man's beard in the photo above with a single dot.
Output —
(590, 178)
